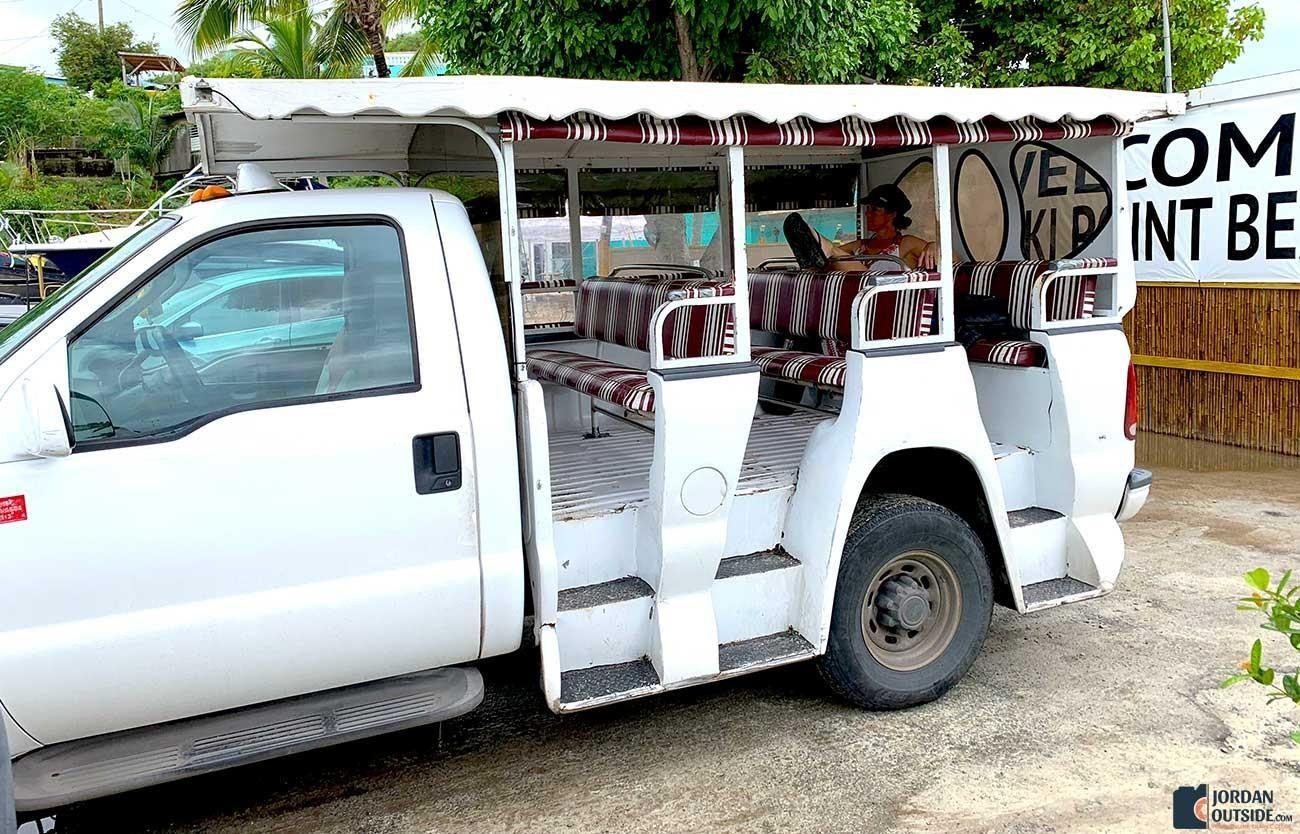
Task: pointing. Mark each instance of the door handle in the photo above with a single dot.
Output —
(437, 462)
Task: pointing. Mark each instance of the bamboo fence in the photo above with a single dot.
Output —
(1220, 362)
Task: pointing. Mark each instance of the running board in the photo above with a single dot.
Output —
(1042, 595)
(79, 770)
(582, 689)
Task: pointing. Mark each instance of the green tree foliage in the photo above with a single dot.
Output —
(351, 30)
(708, 40)
(295, 46)
(1101, 43)
(405, 42)
(118, 121)
(1113, 43)
(47, 114)
(88, 56)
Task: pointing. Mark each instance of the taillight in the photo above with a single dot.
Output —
(1131, 404)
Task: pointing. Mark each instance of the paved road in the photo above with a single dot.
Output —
(1082, 718)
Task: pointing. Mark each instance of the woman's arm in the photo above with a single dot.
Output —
(919, 253)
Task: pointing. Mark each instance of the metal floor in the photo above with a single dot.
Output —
(593, 476)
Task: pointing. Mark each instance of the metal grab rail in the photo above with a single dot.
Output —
(1038, 298)
(698, 270)
(659, 320)
(857, 317)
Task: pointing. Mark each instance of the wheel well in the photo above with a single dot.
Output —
(947, 478)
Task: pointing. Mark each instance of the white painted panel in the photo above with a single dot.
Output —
(595, 549)
(1039, 550)
(756, 604)
(1016, 471)
(756, 521)
(614, 633)
(1014, 404)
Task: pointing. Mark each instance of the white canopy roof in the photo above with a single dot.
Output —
(251, 119)
(482, 96)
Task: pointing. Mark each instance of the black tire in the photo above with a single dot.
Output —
(885, 528)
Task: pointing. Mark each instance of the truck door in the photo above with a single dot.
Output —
(280, 517)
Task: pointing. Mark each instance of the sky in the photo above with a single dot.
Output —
(25, 40)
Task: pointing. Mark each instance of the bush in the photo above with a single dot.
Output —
(1278, 605)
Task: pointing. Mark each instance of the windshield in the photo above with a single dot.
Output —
(34, 319)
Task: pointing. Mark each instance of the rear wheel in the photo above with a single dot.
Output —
(912, 604)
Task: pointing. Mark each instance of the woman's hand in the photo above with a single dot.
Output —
(928, 257)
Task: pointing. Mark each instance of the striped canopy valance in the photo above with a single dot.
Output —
(851, 132)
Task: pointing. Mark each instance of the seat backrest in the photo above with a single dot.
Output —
(1011, 282)
(619, 310)
(819, 305)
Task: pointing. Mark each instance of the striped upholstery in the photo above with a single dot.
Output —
(619, 310)
(1015, 352)
(548, 285)
(1068, 298)
(1072, 297)
(608, 381)
(819, 305)
(815, 369)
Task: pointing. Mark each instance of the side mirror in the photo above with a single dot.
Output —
(188, 330)
(49, 428)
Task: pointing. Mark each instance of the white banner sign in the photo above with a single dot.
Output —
(1213, 192)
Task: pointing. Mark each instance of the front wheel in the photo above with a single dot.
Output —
(912, 604)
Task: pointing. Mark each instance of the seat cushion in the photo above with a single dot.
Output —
(1012, 352)
(1068, 298)
(819, 305)
(620, 310)
(800, 366)
(609, 381)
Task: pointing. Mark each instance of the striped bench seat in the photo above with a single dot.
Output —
(618, 310)
(1012, 283)
(816, 308)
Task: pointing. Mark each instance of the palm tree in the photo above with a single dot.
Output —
(294, 47)
(149, 137)
(352, 28)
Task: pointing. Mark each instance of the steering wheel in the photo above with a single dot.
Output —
(156, 340)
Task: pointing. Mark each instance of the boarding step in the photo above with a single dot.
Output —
(1054, 592)
(1015, 466)
(1038, 544)
(756, 594)
(586, 688)
(741, 656)
(80, 770)
(604, 624)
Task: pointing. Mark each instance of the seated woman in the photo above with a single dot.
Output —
(885, 213)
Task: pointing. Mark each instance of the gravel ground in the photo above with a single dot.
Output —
(1082, 718)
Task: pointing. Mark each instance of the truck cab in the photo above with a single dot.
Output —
(283, 466)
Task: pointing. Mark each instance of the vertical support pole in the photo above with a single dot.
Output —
(8, 816)
(1169, 58)
(510, 256)
(735, 195)
(864, 185)
(943, 208)
(724, 217)
(575, 223)
(1123, 291)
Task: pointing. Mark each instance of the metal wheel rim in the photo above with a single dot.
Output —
(908, 649)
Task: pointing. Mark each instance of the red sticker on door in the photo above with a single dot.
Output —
(13, 508)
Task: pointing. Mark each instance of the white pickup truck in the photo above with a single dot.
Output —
(280, 469)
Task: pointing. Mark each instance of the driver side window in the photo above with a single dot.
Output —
(241, 322)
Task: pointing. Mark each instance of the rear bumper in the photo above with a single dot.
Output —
(1135, 494)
